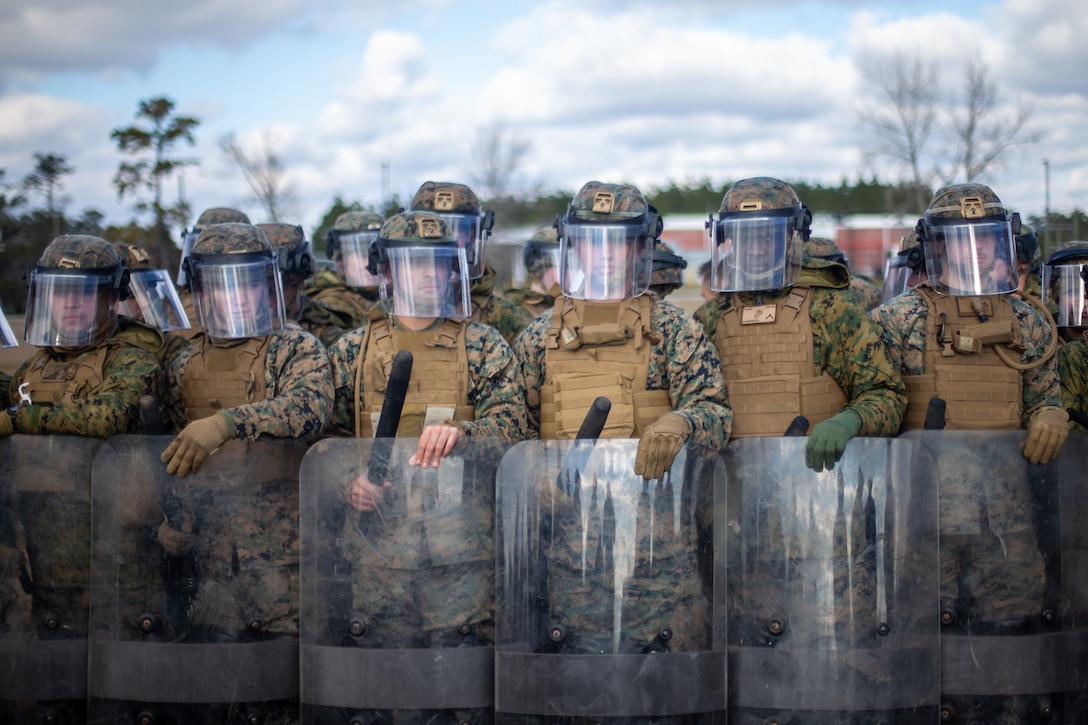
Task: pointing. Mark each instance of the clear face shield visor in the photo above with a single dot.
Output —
(154, 301)
(604, 263)
(970, 259)
(752, 253)
(1065, 287)
(186, 248)
(426, 280)
(897, 279)
(546, 269)
(354, 254)
(7, 337)
(70, 310)
(238, 298)
(471, 238)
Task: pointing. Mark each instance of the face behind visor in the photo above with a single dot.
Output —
(237, 295)
(155, 301)
(70, 307)
(755, 251)
(604, 262)
(971, 258)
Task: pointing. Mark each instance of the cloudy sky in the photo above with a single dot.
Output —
(644, 92)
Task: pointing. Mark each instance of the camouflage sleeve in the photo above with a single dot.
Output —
(902, 325)
(707, 314)
(495, 386)
(128, 374)
(344, 356)
(686, 364)
(1041, 386)
(505, 316)
(529, 351)
(298, 385)
(848, 345)
(1073, 373)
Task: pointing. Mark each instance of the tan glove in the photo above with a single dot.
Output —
(196, 442)
(6, 428)
(175, 542)
(1047, 431)
(660, 443)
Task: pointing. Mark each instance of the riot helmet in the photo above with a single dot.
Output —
(347, 244)
(901, 272)
(756, 241)
(666, 269)
(458, 205)
(606, 241)
(968, 239)
(295, 257)
(422, 267)
(73, 292)
(540, 255)
(1065, 285)
(236, 282)
(153, 298)
(214, 215)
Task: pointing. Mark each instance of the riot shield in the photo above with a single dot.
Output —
(398, 597)
(832, 585)
(45, 534)
(606, 587)
(1012, 576)
(195, 589)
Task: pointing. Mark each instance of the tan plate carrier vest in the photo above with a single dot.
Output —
(55, 382)
(438, 389)
(598, 349)
(768, 367)
(961, 366)
(223, 377)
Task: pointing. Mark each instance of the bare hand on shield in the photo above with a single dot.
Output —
(364, 495)
(435, 443)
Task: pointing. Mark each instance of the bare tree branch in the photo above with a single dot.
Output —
(496, 158)
(263, 170)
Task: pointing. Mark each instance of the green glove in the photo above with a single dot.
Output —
(6, 428)
(828, 440)
(660, 443)
(194, 443)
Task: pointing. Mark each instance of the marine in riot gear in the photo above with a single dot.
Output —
(771, 299)
(349, 288)
(471, 225)
(962, 337)
(295, 257)
(1065, 290)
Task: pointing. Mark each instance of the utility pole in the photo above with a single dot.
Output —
(1046, 209)
(386, 184)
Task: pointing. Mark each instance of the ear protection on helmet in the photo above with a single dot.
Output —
(376, 259)
(913, 257)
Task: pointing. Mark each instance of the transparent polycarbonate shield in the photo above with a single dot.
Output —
(606, 586)
(355, 256)
(7, 337)
(1013, 574)
(45, 535)
(972, 258)
(195, 584)
(398, 582)
(155, 300)
(832, 584)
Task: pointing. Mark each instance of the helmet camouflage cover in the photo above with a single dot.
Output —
(667, 272)
(79, 251)
(220, 215)
(597, 201)
(965, 201)
(445, 198)
(232, 238)
(135, 257)
(760, 193)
